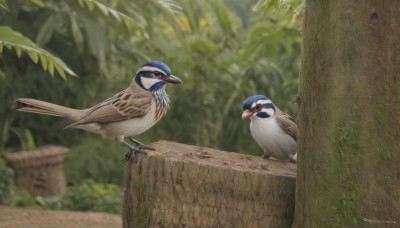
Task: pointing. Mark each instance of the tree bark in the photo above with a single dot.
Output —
(186, 186)
(349, 115)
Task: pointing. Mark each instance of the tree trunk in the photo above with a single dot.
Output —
(349, 115)
(186, 186)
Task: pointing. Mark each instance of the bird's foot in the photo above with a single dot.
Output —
(141, 145)
(133, 151)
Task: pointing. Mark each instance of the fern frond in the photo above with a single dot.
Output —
(13, 40)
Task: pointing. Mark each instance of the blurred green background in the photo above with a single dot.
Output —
(224, 51)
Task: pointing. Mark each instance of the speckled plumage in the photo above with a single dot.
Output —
(128, 113)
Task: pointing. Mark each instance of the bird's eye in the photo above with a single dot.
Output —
(258, 107)
(157, 74)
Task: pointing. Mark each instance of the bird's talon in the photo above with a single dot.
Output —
(131, 155)
(132, 152)
(141, 145)
(145, 147)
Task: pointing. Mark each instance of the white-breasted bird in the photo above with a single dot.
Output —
(126, 114)
(273, 130)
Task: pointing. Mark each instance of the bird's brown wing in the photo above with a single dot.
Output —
(124, 105)
(287, 123)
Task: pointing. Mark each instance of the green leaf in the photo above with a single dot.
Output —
(116, 14)
(222, 17)
(119, 16)
(20, 43)
(15, 40)
(4, 5)
(43, 61)
(76, 33)
(60, 71)
(81, 3)
(170, 5)
(38, 2)
(104, 9)
(89, 4)
(29, 140)
(269, 6)
(8, 46)
(34, 56)
(50, 68)
(46, 30)
(18, 51)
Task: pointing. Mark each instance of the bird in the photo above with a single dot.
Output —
(273, 130)
(126, 114)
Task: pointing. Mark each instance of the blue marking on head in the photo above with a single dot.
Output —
(249, 101)
(157, 86)
(160, 65)
(262, 114)
(157, 64)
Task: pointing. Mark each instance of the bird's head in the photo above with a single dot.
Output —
(154, 75)
(258, 106)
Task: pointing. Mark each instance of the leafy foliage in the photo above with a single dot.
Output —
(7, 186)
(101, 160)
(224, 51)
(14, 40)
(84, 196)
(87, 196)
(3, 4)
(280, 6)
(120, 17)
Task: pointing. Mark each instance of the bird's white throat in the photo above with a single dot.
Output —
(148, 82)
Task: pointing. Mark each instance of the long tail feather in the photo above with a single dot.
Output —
(46, 108)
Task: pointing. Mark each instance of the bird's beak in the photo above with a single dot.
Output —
(247, 114)
(172, 79)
